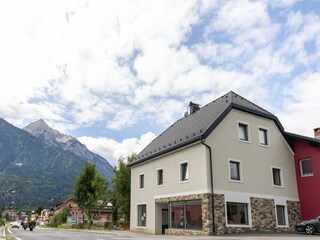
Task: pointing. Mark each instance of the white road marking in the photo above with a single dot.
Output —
(9, 230)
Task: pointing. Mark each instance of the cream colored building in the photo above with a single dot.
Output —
(230, 154)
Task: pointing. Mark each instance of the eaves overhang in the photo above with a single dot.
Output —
(167, 150)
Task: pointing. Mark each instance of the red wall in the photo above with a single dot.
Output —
(308, 187)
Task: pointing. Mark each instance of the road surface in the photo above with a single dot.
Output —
(53, 234)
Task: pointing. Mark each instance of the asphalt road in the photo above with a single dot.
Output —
(51, 234)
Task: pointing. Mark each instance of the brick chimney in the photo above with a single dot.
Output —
(193, 107)
(317, 132)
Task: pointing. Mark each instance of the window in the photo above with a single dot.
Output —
(243, 132)
(186, 215)
(142, 215)
(281, 216)
(159, 177)
(184, 172)
(235, 170)
(263, 136)
(306, 167)
(237, 213)
(141, 181)
(277, 177)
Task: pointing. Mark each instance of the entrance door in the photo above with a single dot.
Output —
(165, 220)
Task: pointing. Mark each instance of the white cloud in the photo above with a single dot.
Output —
(301, 111)
(112, 150)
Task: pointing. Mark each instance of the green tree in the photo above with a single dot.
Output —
(90, 190)
(60, 217)
(121, 189)
(38, 209)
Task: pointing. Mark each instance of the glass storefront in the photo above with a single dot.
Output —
(186, 215)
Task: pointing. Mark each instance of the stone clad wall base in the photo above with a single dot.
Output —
(263, 216)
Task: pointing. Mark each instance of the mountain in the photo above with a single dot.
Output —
(43, 132)
(32, 172)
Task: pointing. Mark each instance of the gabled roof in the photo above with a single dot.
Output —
(312, 141)
(199, 124)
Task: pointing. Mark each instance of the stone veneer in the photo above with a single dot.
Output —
(263, 215)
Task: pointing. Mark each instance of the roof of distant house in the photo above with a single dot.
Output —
(199, 124)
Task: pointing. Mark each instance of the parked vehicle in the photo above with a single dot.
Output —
(310, 226)
(14, 225)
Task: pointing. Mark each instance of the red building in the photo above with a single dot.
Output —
(307, 164)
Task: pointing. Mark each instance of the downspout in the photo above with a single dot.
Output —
(211, 181)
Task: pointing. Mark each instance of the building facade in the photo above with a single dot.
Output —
(307, 163)
(224, 168)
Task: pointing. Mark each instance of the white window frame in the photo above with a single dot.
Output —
(139, 181)
(281, 177)
(301, 172)
(248, 131)
(137, 226)
(180, 173)
(240, 170)
(285, 216)
(157, 177)
(267, 136)
(248, 213)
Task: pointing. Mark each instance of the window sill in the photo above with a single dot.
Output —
(186, 181)
(159, 186)
(238, 225)
(277, 186)
(307, 175)
(244, 141)
(263, 145)
(138, 227)
(235, 181)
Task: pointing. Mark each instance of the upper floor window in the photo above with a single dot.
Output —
(263, 136)
(277, 179)
(306, 167)
(159, 177)
(184, 172)
(235, 171)
(141, 181)
(243, 132)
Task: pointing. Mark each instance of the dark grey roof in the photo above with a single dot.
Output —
(199, 125)
(308, 139)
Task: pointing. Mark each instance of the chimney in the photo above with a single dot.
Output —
(193, 107)
(317, 132)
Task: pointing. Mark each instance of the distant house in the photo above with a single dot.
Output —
(74, 209)
(307, 162)
(223, 168)
(100, 217)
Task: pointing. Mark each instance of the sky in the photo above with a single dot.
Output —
(115, 74)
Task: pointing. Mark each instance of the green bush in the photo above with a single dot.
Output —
(59, 218)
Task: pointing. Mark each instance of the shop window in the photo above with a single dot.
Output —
(186, 215)
(237, 213)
